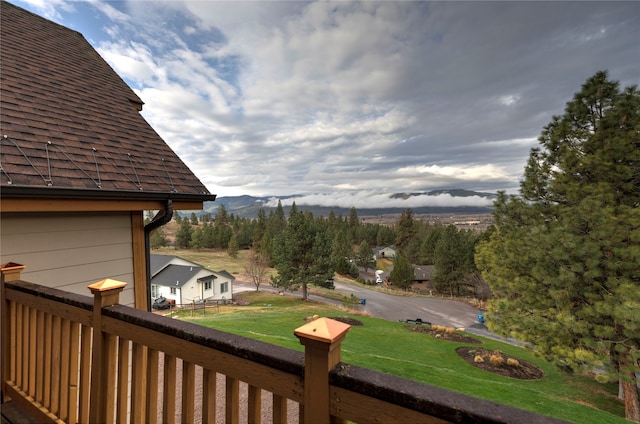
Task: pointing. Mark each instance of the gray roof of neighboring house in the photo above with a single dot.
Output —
(176, 275)
(423, 272)
(226, 274)
(161, 263)
(158, 262)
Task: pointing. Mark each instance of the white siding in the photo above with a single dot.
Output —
(70, 251)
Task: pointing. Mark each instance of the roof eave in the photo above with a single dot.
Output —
(13, 191)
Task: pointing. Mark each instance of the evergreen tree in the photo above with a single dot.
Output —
(385, 236)
(194, 218)
(340, 247)
(563, 261)
(232, 250)
(302, 253)
(222, 217)
(183, 235)
(364, 257)
(453, 260)
(197, 239)
(405, 229)
(158, 239)
(402, 275)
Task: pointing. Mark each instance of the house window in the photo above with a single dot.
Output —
(207, 285)
(224, 287)
(173, 290)
(154, 290)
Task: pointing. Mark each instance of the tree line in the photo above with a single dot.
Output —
(348, 243)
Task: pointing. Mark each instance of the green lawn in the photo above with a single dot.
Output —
(386, 346)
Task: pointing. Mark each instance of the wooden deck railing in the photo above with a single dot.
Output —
(76, 359)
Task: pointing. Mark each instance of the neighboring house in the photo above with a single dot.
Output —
(388, 252)
(423, 273)
(184, 281)
(78, 163)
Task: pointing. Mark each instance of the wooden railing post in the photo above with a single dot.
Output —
(322, 339)
(103, 352)
(9, 272)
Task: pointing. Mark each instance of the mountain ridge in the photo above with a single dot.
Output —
(246, 206)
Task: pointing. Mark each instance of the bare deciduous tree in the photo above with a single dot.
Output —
(256, 267)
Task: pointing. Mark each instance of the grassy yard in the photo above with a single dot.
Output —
(388, 347)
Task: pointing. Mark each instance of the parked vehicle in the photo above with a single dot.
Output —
(161, 303)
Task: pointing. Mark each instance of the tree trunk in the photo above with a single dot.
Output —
(629, 389)
(304, 291)
(631, 400)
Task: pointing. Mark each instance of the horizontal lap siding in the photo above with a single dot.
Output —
(70, 251)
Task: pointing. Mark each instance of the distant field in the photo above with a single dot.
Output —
(217, 260)
(388, 347)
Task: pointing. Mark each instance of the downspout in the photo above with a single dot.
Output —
(161, 218)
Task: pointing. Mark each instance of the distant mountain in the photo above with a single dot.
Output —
(248, 206)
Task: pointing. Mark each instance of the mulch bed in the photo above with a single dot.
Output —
(348, 320)
(442, 335)
(523, 370)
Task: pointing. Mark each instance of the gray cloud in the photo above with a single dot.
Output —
(345, 100)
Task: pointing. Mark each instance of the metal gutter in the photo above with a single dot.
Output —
(159, 220)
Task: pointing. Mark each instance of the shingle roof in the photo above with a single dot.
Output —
(176, 275)
(68, 121)
(158, 262)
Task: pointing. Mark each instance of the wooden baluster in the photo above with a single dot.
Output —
(56, 331)
(153, 360)
(40, 357)
(123, 381)
(188, 391)
(138, 384)
(74, 370)
(84, 387)
(169, 390)
(48, 346)
(254, 405)
(65, 355)
(280, 411)
(209, 396)
(232, 402)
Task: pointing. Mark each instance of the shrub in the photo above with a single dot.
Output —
(513, 362)
(496, 359)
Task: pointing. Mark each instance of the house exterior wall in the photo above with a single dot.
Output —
(219, 282)
(193, 290)
(69, 251)
(387, 252)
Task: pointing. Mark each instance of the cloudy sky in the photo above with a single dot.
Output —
(344, 100)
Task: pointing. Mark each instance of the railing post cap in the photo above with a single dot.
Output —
(325, 330)
(106, 285)
(11, 266)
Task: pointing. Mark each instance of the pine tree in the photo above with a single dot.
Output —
(158, 239)
(183, 235)
(563, 261)
(364, 257)
(233, 248)
(402, 275)
(302, 253)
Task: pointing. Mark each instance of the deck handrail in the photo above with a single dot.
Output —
(133, 384)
